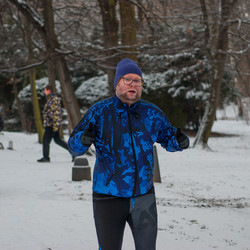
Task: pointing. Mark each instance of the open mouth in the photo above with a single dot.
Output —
(132, 91)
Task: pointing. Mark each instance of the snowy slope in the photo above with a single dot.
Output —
(203, 200)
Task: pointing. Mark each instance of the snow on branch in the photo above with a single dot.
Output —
(29, 12)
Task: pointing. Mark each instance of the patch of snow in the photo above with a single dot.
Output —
(203, 201)
(25, 93)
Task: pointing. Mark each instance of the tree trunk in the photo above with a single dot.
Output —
(218, 68)
(70, 101)
(47, 31)
(52, 75)
(36, 108)
(70, 104)
(128, 29)
(32, 80)
(110, 36)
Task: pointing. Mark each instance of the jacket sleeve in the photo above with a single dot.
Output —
(166, 136)
(74, 142)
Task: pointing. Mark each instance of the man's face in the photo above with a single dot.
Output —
(128, 93)
(47, 91)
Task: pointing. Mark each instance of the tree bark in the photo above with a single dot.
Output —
(51, 74)
(110, 37)
(32, 80)
(218, 62)
(36, 108)
(128, 29)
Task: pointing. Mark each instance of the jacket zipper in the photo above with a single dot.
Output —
(110, 178)
(133, 149)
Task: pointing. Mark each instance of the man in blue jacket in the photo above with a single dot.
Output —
(124, 129)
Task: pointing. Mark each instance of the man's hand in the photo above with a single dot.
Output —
(55, 128)
(87, 137)
(182, 139)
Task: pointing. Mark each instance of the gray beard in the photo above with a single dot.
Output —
(125, 99)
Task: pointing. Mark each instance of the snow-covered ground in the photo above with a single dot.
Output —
(203, 200)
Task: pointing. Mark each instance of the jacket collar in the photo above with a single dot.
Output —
(123, 107)
(50, 95)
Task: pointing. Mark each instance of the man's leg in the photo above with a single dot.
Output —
(47, 137)
(58, 140)
(143, 221)
(110, 218)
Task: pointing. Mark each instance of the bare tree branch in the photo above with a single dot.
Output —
(30, 13)
(26, 67)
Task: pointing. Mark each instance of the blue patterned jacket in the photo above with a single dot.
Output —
(124, 138)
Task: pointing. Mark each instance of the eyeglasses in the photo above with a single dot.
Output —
(129, 81)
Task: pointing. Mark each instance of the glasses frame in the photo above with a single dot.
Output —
(132, 80)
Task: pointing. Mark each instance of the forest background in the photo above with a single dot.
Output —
(194, 56)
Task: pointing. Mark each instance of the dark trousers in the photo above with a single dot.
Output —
(111, 215)
(47, 137)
